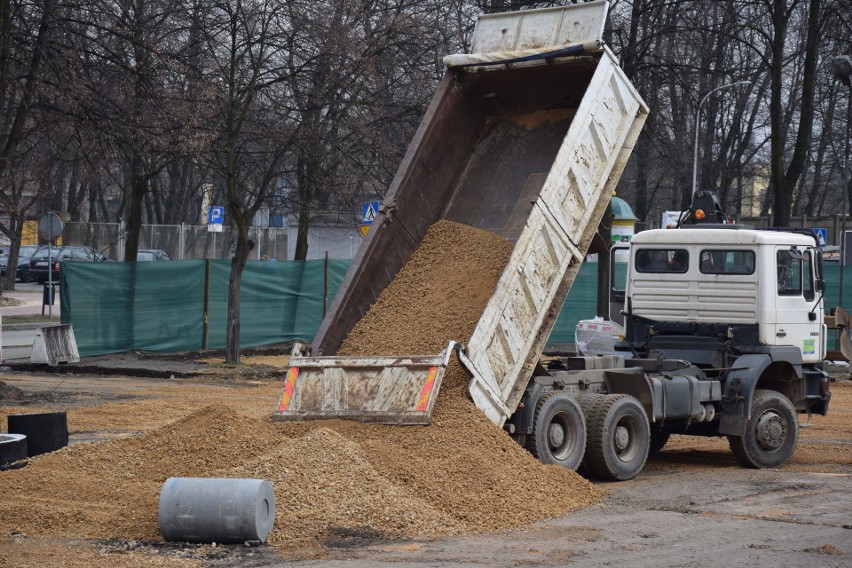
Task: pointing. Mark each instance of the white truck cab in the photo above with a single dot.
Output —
(737, 276)
(742, 305)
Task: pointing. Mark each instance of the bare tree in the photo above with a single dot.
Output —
(129, 93)
(359, 77)
(785, 173)
(25, 30)
(248, 155)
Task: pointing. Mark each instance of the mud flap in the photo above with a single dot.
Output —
(738, 392)
(843, 321)
(388, 390)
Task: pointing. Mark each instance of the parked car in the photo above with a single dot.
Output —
(40, 261)
(22, 272)
(151, 255)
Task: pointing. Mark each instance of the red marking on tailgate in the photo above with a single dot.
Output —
(423, 401)
(289, 384)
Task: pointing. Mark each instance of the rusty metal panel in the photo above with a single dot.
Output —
(415, 200)
(513, 330)
(390, 390)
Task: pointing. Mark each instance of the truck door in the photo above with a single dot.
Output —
(797, 323)
(618, 263)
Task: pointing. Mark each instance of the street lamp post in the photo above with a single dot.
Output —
(841, 66)
(697, 120)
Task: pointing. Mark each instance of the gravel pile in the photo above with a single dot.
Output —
(460, 475)
(8, 392)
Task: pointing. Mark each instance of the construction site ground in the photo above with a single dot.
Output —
(693, 505)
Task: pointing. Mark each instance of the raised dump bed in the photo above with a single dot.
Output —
(525, 138)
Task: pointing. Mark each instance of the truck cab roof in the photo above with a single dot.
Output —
(733, 236)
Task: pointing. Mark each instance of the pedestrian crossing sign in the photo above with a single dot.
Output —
(368, 212)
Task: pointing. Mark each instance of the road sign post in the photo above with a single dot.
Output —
(215, 217)
(369, 210)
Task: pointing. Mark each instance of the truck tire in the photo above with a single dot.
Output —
(618, 438)
(587, 403)
(559, 431)
(659, 438)
(770, 435)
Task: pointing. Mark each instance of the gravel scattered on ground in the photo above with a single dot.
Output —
(333, 480)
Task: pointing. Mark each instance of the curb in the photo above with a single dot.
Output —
(28, 326)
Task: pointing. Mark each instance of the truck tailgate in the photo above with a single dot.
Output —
(390, 390)
(562, 220)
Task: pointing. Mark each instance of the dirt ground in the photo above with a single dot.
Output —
(458, 492)
(691, 506)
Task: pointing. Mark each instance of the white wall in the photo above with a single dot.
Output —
(340, 242)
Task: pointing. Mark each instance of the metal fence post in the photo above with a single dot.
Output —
(206, 324)
(182, 242)
(122, 239)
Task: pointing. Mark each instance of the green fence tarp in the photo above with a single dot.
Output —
(159, 306)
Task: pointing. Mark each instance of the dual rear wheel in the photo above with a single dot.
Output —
(609, 436)
(606, 436)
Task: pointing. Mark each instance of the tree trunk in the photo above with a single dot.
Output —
(232, 349)
(134, 215)
(304, 218)
(783, 180)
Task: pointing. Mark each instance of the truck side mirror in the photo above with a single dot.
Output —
(820, 282)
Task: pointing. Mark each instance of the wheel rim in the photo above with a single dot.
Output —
(770, 431)
(560, 437)
(624, 438)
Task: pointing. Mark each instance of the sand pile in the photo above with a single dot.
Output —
(461, 474)
(461, 465)
(111, 489)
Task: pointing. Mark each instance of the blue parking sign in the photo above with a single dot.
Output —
(215, 215)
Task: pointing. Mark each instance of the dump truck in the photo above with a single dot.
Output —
(527, 137)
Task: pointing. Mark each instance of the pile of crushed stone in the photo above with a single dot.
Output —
(460, 475)
(8, 392)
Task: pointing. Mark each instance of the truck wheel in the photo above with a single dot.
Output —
(559, 431)
(618, 438)
(587, 402)
(659, 438)
(770, 435)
